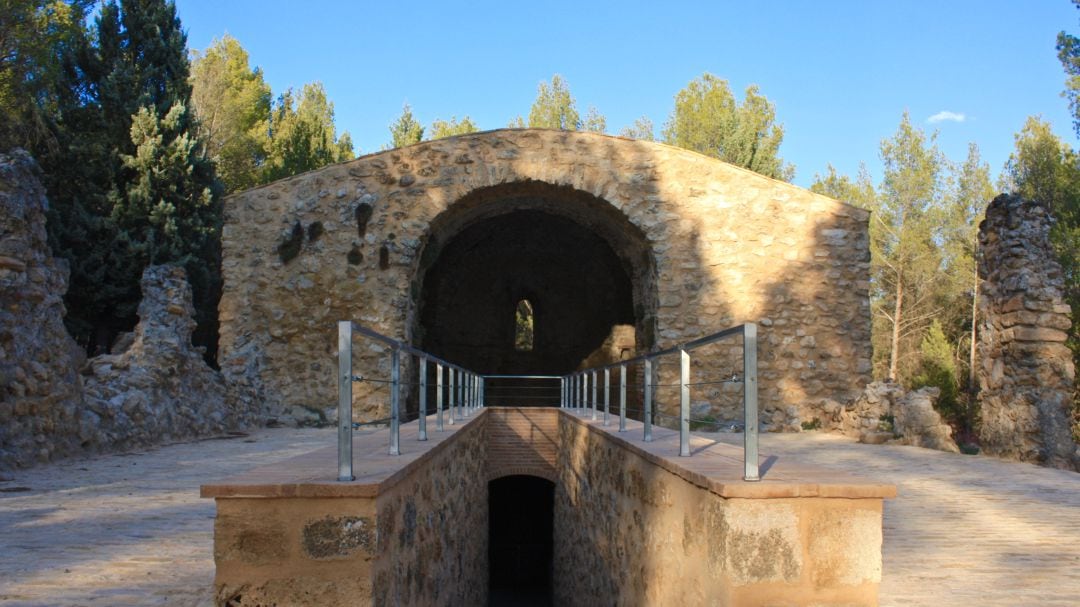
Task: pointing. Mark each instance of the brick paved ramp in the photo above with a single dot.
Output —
(131, 529)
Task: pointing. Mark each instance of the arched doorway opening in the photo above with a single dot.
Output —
(532, 278)
(520, 541)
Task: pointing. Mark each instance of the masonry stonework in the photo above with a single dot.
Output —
(1026, 371)
(705, 245)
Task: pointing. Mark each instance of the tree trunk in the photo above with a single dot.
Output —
(895, 353)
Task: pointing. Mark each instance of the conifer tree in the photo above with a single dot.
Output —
(708, 119)
(554, 107)
(406, 130)
(130, 184)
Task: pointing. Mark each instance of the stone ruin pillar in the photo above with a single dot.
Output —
(1025, 370)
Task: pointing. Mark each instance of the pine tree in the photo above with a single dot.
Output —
(302, 134)
(406, 130)
(232, 102)
(130, 184)
(554, 107)
(441, 128)
(708, 119)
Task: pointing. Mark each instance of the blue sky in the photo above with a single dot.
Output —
(840, 73)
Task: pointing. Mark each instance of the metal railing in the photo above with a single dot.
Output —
(580, 391)
(457, 390)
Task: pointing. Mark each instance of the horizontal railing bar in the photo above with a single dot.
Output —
(390, 341)
(691, 345)
(522, 376)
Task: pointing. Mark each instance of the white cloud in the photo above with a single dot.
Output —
(944, 115)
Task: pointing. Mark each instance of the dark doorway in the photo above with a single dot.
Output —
(520, 544)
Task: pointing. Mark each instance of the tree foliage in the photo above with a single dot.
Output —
(1045, 169)
(35, 36)
(303, 136)
(129, 183)
(554, 107)
(232, 102)
(440, 129)
(594, 121)
(708, 119)
(642, 130)
(406, 130)
(1068, 48)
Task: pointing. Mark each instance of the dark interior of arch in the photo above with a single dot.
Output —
(521, 512)
(573, 260)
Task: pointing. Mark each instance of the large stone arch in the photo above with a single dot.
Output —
(574, 256)
(727, 245)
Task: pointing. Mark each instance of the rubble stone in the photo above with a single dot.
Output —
(1025, 370)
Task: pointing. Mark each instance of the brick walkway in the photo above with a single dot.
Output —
(131, 530)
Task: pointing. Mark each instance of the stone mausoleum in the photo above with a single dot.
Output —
(437, 244)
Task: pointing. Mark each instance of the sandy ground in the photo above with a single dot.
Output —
(131, 530)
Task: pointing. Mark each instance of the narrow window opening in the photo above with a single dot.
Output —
(523, 326)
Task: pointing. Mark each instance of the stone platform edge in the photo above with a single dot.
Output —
(716, 467)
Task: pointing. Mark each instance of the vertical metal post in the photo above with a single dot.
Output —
(438, 396)
(483, 403)
(451, 392)
(750, 403)
(459, 400)
(395, 401)
(594, 395)
(607, 394)
(562, 392)
(345, 471)
(646, 417)
(423, 399)
(684, 403)
(466, 389)
(622, 397)
(584, 392)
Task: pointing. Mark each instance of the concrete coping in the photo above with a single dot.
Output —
(715, 466)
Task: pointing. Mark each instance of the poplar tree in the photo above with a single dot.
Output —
(708, 119)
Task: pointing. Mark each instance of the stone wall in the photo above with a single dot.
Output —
(155, 386)
(629, 532)
(706, 245)
(1025, 372)
(416, 538)
(40, 391)
(885, 412)
(433, 529)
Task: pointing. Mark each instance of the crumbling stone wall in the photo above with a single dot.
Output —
(1026, 372)
(40, 392)
(155, 386)
(885, 412)
(719, 246)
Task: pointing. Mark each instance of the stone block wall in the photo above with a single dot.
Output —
(153, 388)
(719, 246)
(1026, 374)
(40, 390)
(417, 538)
(629, 532)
